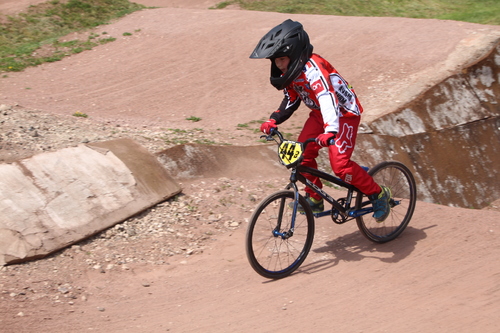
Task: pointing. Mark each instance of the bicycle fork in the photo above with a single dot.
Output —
(289, 233)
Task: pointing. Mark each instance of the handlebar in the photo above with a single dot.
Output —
(274, 131)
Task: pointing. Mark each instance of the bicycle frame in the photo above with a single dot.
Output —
(340, 213)
(345, 210)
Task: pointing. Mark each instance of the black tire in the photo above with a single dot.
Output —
(399, 179)
(274, 256)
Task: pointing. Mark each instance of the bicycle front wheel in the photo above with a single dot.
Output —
(278, 241)
(399, 179)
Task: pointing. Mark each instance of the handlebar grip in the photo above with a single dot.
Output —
(330, 142)
(272, 132)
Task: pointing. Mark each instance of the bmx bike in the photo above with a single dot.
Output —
(279, 237)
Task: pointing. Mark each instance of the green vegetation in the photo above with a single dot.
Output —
(476, 11)
(32, 38)
(194, 119)
(80, 114)
(223, 4)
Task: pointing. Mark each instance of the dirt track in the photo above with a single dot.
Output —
(441, 275)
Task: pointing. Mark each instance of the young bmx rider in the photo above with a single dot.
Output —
(335, 110)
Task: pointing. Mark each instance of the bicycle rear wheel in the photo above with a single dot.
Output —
(399, 179)
(275, 249)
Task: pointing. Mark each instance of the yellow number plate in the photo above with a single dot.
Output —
(290, 152)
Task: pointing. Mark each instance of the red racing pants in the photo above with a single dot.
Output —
(340, 154)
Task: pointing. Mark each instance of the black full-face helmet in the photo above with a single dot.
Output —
(287, 39)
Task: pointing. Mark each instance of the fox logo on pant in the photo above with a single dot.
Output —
(344, 140)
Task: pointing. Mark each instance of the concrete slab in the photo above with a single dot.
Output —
(449, 137)
(55, 199)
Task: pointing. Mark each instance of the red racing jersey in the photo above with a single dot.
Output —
(323, 90)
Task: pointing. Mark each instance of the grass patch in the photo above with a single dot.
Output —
(477, 11)
(193, 119)
(80, 114)
(223, 4)
(33, 37)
